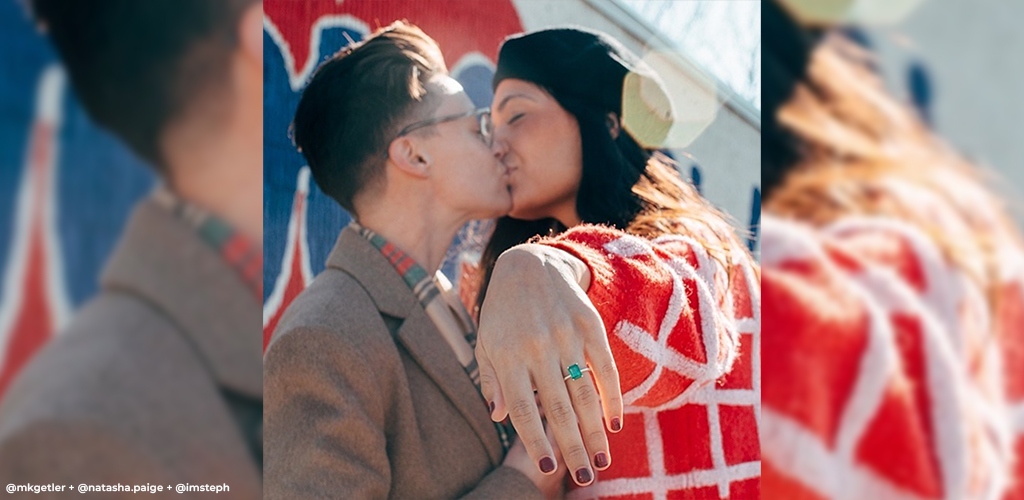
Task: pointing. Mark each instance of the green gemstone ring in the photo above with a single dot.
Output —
(575, 372)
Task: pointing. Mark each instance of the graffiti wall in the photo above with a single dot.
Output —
(66, 188)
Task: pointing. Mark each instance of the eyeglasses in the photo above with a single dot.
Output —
(482, 114)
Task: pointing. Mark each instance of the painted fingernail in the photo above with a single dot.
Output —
(583, 476)
(601, 460)
(616, 424)
(547, 464)
(491, 405)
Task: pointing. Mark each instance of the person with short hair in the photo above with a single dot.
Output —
(370, 381)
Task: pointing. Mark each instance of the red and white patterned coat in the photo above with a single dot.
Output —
(685, 335)
(887, 374)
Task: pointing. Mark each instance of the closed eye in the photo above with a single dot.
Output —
(516, 117)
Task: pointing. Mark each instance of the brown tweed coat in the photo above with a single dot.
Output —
(151, 380)
(365, 399)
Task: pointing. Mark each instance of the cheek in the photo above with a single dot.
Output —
(551, 165)
(564, 175)
(473, 174)
(559, 152)
(548, 141)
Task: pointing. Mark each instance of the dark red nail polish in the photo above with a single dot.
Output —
(491, 406)
(547, 464)
(601, 460)
(583, 476)
(616, 424)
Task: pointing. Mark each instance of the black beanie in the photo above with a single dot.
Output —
(593, 66)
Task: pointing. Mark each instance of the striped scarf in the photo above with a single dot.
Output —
(238, 251)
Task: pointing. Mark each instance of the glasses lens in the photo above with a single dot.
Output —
(485, 126)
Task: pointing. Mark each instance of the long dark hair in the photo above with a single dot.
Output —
(623, 186)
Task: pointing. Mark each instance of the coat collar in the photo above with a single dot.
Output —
(162, 260)
(356, 256)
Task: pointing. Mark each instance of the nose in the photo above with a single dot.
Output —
(499, 146)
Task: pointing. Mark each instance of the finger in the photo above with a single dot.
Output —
(522, 410)
(561, 417)
(489, 386)
(550, 434)
(606, 374)
(588, 411)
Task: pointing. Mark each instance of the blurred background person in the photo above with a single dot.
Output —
(893, 279)
(158, 378)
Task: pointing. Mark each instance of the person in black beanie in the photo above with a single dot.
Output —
(577, 121)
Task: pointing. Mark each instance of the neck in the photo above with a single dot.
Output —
(419, 229)
(568, 216)
(218, 168)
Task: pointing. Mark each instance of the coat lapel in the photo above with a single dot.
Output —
(163, 261)
(426, 346)
(357, 257)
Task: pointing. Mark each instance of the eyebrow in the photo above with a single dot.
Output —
(508, 98)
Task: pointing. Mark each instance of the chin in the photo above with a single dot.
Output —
(505, 211)
(523, 210)
(517, 212)
(495, 212)
(525, 215)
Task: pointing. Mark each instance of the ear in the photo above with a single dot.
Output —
(408, 157)
(250, 33)
(614, 126)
